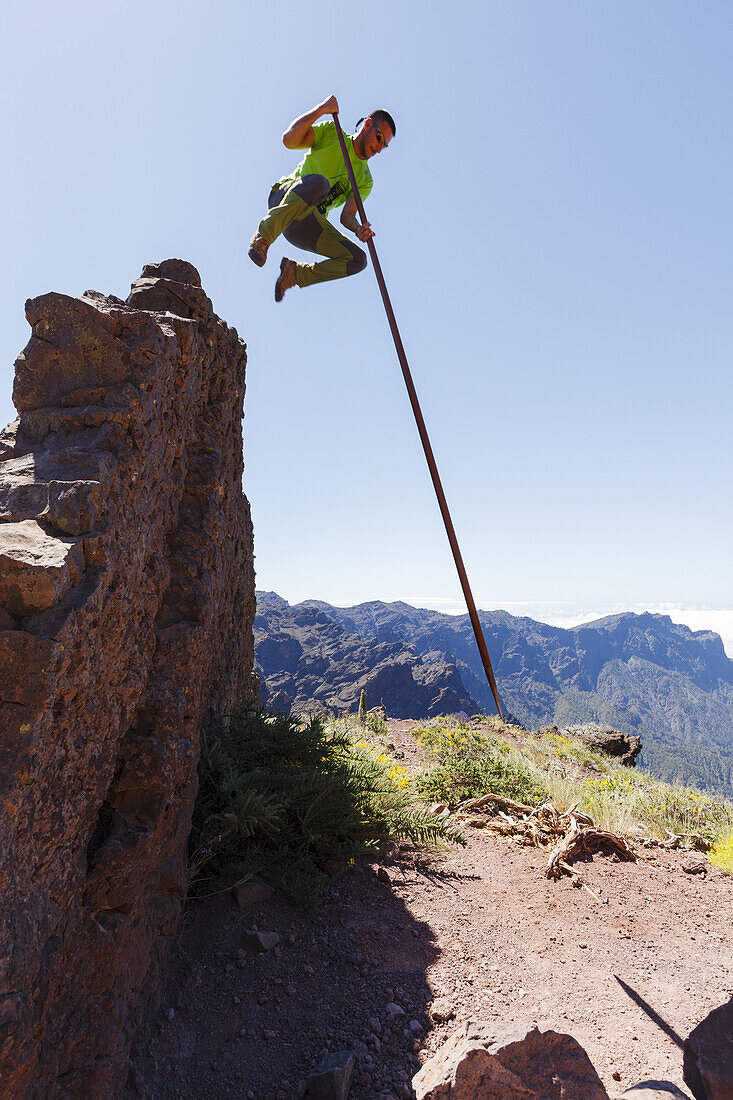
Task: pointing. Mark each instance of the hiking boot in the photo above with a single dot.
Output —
(286, 278)
(257, 250)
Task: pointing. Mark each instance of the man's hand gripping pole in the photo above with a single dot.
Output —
(463, 577)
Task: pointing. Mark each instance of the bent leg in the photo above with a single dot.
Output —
(292, 204)
(316, 234)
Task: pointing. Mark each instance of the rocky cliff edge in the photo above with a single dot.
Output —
(126, 609)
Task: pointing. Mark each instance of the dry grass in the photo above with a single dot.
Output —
(509, 761)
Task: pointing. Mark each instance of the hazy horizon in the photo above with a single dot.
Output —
(553, 613)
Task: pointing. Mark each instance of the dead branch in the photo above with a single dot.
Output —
(568, 834)
(496, 800)
(685, 840)
(585, 839)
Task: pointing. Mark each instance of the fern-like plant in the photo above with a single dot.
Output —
(296, 801)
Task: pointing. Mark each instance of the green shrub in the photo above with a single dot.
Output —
(296, 801)
(472, 762)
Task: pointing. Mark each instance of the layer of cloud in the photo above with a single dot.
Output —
(718, 619)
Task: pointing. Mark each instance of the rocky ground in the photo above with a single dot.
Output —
(401, 951)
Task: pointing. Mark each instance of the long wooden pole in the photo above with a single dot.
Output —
(473, 614)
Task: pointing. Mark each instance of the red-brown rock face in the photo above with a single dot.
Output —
(126, 608)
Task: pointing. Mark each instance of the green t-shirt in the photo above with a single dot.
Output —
(325, 158)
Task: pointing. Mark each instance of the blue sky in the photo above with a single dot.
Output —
(553, 219)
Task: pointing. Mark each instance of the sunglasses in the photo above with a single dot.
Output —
(379, 136)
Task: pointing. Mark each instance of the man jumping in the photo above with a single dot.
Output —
(298, 203)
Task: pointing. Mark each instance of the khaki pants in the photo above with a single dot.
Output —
(293, 211)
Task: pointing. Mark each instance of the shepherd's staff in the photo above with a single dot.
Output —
(463, 577)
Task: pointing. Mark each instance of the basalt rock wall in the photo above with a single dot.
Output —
(126, 608)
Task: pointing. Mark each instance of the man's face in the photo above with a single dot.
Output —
(377, 136)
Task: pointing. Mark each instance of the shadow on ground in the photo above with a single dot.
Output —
(236, 1024)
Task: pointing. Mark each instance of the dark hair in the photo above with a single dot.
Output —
(381, 116)
(384, 116)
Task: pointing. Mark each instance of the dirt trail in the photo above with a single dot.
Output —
(481, 927)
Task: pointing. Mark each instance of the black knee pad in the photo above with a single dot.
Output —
(359, 261)
(312, 189)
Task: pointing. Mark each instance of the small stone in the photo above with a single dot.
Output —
(694, 865)
(331, 1079)
(415, 1026)
(383, 876)
(441, 1010)
(393, 1009)
(260, 941)
(291, 989)
(374, 1024)
(269, 1034)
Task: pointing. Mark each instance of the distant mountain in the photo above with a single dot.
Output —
(304, 655)
(642, 674)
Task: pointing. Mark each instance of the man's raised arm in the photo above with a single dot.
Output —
(299, 134)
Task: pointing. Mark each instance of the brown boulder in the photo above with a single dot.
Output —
(482, 1061)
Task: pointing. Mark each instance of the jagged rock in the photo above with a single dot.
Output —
(603, 739)
(482, 1061)
(708, 1056)
(36, 569)
(126, 604)
(331, 1079)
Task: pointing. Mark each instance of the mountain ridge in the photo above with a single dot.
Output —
(640, 672)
